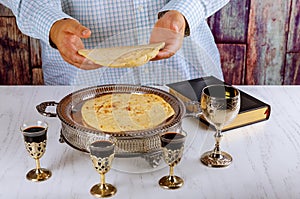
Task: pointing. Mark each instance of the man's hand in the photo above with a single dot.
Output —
(66, 34)
(169, 29)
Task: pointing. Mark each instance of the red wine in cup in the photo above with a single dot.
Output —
(35, 134)
(172, 140)
(102, 148)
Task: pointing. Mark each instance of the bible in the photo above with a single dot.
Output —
(252, 110)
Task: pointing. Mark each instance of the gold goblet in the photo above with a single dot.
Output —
(172, 144)
(35, 138)
(220, 104)
(102, 154)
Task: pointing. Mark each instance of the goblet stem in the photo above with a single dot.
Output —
(37, 163)
(171, 181)
(38, 174)
(171, 174)
(171, 171)
(102, 181)
(216, 157)
(217, 150)
(103, 189)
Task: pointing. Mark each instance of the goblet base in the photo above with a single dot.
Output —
(211, 159)
(171, 182)
(38, 175)
(103, 191)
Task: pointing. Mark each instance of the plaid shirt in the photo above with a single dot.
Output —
(119, 23)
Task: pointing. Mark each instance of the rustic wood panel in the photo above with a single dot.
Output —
(229, 25)
(32, 58)
(267, 39)
(294, 29)
(35, 53)
(14, 54)
(233, 58)
(4, 12)
(292, 71)
(37, 76)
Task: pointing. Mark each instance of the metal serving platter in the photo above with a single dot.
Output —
(77, 135)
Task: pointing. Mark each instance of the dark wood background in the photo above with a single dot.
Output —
(259, 43)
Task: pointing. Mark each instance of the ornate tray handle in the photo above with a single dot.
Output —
(41, 108)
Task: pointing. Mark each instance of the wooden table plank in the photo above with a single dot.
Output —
(267, 41)
(35, 53)
(36, 62)
(229, 25)
(4, 12)
(233, 57)
(292, 70)
(37, 76)
(14, 54)
(294, 29)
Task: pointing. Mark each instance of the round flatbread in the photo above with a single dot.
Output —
(125, 112)
(122, 57)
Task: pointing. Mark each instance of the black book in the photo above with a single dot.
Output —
(252, 110)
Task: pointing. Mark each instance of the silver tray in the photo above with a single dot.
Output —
(129, 143)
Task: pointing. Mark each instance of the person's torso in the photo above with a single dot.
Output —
(114, 18)
(130, 22)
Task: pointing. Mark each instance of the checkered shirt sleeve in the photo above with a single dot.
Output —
(36, 17)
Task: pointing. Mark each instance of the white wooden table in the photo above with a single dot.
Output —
(266, 155)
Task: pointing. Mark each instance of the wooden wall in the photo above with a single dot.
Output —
(259, 43)
(20, 61)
